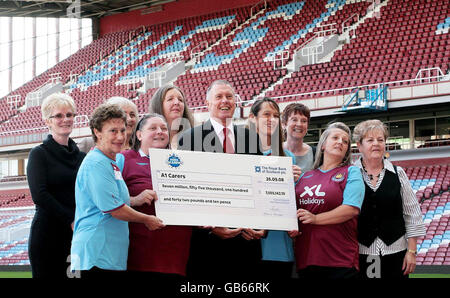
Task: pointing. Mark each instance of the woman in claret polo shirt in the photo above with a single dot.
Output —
(390, 219)
(156, 255)
(329, 198)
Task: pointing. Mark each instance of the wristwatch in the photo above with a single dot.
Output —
(414, 252)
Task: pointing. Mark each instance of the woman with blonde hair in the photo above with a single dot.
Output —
(390, 221)
(51, 171)
(329, 199)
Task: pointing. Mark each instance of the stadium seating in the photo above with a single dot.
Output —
(431, 186)
(74, 64)
(14, 253)
(15, 198)
(390, 47)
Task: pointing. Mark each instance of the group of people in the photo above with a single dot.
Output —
(98, 208)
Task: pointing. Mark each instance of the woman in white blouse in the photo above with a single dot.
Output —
(390, 220)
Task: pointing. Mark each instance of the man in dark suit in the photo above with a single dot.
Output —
(222, 252)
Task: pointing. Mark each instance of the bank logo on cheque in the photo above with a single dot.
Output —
(174, 161)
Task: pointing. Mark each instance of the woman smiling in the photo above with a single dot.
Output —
(390, 219)
(100, 241)
(329, 199)
(52, 169)
(161, 254)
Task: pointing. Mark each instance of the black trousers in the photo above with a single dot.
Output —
(319, 272)
(98, 273)
(387, 266)
(154, 277)
(275, 270)
(49, 247)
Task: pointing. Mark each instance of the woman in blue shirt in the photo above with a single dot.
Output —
(100, 240)
(277, 246)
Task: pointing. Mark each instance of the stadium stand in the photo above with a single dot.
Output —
(391, 47)
(14, 253)
(383, 50)
(240, 45)
(430, 184)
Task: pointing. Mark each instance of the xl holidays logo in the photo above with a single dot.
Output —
(312, 196)
(309, 191)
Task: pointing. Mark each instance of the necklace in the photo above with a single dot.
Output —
(370, 175)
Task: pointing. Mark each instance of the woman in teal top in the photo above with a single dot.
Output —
(277, 246)
(100, 239)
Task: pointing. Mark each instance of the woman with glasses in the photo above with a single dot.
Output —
(52, 170)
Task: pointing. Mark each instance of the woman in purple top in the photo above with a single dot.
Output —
(329, 199)
(156, 255)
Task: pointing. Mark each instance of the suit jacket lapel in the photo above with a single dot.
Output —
(211, 138)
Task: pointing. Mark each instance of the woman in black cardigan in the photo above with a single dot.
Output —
(51, 171)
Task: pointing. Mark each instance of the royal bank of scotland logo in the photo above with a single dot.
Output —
(174, 161)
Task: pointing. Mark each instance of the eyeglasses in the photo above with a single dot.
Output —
(61, 116)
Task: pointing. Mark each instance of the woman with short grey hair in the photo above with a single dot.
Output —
(390, 221)
(132, 114)
(51, 172)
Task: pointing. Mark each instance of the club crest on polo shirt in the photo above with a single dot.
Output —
(117, 173)
(338, 177)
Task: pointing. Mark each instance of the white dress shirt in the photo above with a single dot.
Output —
(218, 128)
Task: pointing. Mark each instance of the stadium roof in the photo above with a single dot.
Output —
(66, 8)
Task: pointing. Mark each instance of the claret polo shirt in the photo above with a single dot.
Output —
(333, 245)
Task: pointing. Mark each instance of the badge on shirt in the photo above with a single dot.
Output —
(338, 177)
(117, 173)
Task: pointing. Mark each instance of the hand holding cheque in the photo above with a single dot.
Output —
(234, 191)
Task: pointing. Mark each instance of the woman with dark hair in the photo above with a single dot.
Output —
(161, 254)
(100, 240)
(277, 246)
(329, 199)
(169, 101)
(295, 120)
(131, 112)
